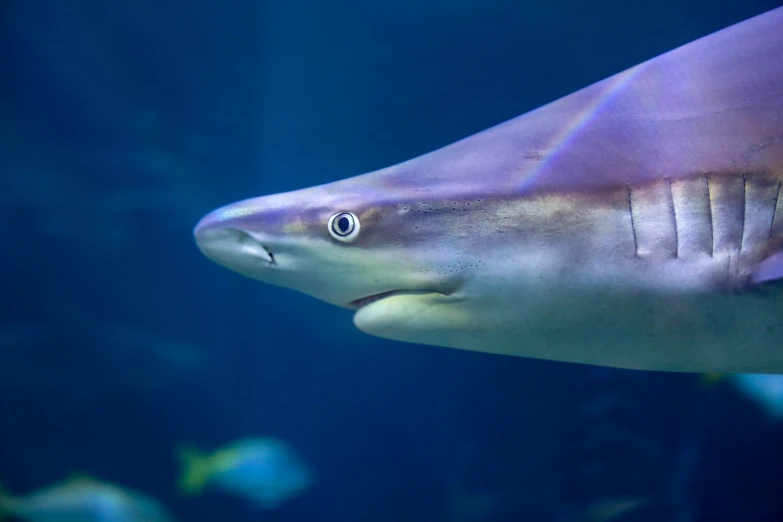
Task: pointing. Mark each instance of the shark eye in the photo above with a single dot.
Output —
(344, 226)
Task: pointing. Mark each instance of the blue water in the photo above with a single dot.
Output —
(121, 123)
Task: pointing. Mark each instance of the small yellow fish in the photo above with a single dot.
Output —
(266, 471)
(83, 499)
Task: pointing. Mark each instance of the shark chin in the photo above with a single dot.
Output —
(416, 316)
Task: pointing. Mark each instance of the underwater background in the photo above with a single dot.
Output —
(122, 123)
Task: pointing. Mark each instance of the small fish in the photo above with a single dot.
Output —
(83, 500)
(264, 470)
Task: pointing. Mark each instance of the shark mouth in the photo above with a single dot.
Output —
(364, 301)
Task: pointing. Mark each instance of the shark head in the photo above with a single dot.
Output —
(368, 243)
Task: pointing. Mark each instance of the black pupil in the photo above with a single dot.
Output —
(343, 225)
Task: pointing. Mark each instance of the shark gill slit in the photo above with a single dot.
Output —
(674, 215)
(774, 210)
(633, 228)
(744, 213)
(712, 227)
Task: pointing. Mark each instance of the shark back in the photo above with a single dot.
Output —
(714, 105)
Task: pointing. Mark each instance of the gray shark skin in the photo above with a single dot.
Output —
(635, 223)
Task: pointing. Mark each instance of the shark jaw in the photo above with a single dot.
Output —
(360, 303)
(243, 253)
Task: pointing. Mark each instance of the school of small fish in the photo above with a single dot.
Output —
(265, 471)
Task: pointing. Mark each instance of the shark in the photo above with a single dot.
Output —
(636, 223)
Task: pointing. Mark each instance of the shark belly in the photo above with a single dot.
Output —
(636, 330)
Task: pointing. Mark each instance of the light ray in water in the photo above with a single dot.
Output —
(569, 132)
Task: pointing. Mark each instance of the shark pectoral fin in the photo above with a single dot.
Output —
(770, 269)
(419, 317)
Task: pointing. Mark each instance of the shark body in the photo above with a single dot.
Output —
(635, 223)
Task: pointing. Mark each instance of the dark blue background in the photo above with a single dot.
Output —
(121, 123)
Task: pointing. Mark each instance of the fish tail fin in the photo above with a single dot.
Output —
(196, 469)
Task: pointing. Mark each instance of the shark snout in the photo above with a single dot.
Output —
(232, 247)
(209, 227)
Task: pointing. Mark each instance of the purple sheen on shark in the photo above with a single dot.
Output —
(636, 223)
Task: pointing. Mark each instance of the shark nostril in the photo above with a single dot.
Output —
(253, 247)
(231, 246)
